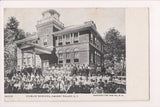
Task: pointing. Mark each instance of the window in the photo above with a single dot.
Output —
(76, 37)
(29, 60)
(55, 43)
(67, 39)
(91, 39)
(24, 61)
(60, 54)
(95, 55)
(75, 41)
(91, 57)
(76, 60)
(95, 40)
(60, 40)
(67, 60)
(76, 55)
(67, 43)
(60, 43)
(97, 44)
(45, 41)
(60, 61)
(67, 54)
(45, 63)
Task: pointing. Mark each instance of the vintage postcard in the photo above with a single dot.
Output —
(76, 54)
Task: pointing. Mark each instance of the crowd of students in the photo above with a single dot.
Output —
(73, 79)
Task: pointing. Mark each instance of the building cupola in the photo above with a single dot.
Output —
(50, 16)
(51, 13)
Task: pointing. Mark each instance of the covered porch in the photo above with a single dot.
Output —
(37, 52)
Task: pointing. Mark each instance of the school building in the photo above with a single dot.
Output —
(55, 44)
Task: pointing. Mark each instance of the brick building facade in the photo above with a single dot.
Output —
(55, 44)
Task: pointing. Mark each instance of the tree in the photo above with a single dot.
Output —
(12, 28)
(20, 35)
(114, 48)
(11, 34)
(12, 24)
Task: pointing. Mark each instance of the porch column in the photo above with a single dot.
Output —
(42, 64)
(22, 58)
(34, 58)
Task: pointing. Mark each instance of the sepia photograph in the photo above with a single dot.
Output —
(65, 51)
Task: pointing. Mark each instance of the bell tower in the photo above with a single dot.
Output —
(46, 26)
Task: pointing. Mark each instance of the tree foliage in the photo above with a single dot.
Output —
(114, 48)
(12, 24)
(11, 34)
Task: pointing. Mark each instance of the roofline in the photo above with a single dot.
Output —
(68, 30)
(98, 34)
(26, 39)
(39, 46)
(78, 28)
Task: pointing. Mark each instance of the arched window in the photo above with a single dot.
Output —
(60, 54)
(67, 54)
(75, 53)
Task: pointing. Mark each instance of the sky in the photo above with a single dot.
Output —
(104, 18)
